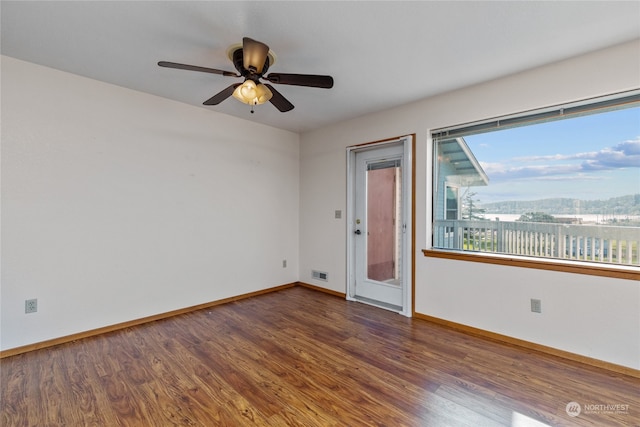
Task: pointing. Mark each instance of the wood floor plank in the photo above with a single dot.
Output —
(298, 357)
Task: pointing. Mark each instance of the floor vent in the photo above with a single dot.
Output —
(320, 275)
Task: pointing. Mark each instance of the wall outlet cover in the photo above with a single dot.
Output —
(31, 305)
(536, 305)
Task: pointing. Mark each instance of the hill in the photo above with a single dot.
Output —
(623, 205)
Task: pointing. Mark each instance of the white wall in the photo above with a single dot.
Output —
(118, 205)
(587, 315)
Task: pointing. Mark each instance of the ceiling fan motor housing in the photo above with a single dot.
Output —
(238, 63)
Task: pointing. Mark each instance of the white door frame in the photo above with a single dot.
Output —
(407, 218)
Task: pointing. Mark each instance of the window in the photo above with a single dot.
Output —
(451, 203)
(560, 183)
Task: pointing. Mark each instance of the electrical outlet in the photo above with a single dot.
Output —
(284, 263)
(338, 214)
(31, 305)
(536, 305)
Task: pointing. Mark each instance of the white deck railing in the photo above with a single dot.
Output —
(597, 243)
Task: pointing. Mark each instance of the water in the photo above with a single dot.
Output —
(585, 219)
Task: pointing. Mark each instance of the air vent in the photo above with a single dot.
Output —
(320, 275)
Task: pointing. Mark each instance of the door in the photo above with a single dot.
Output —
(379, 213)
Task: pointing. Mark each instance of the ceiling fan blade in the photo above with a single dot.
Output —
(279, 101)
(254, 54)
(222, 95)
(196, 68)
(310, 80)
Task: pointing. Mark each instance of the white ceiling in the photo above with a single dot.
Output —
(380, 54)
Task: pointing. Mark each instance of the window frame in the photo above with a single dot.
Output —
(530, 117)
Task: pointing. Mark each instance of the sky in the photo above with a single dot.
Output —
(592, 157)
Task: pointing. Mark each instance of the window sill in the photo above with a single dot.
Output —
(576, 267)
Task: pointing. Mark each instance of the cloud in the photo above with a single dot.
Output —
(555, 157)
(624, 155)
(499, 172)
(558, 166)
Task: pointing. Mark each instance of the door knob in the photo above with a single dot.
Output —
(358, 232)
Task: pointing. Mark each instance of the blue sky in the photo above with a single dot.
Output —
(589, 157)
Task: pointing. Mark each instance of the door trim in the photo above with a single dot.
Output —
(408, 143)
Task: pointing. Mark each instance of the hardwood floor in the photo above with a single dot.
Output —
(298, 357)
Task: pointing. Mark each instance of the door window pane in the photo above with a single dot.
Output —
(383, 230)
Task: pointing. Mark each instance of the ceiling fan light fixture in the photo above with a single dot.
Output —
(251, 93)
(252, 60)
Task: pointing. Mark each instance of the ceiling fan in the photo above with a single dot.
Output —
(252, 59)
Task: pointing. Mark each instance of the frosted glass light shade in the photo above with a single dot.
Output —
(252, 94)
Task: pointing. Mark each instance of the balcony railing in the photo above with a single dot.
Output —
(595, 243)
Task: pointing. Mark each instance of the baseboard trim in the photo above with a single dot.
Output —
(530, 345)
(321, 289)
(118, 326)
(453, 325)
